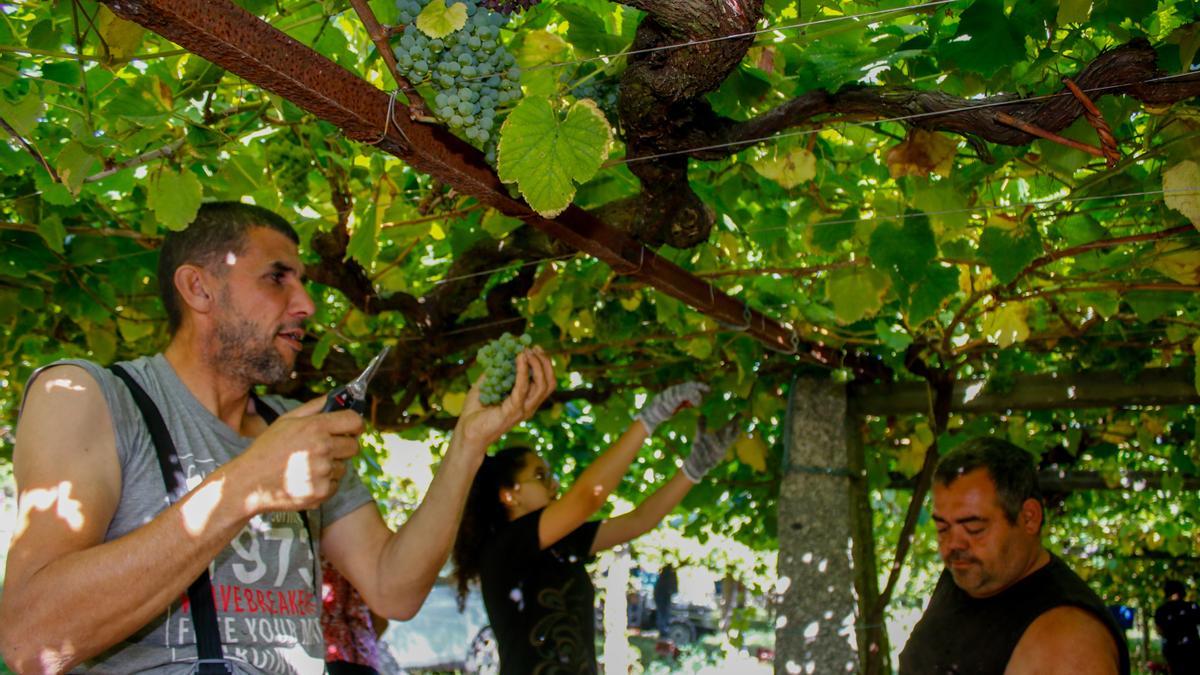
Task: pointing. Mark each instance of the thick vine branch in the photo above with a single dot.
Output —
(1130, 69)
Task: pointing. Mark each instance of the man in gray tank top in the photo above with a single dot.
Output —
(98, 569)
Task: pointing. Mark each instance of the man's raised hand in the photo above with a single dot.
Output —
(481, 425)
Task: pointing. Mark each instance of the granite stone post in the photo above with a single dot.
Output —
(822, 504)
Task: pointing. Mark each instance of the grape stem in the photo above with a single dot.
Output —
(379, 35)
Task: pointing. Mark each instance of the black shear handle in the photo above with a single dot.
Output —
(341, 399)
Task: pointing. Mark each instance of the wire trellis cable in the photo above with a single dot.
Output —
(983, 207)
(846, 221)
(744, 34)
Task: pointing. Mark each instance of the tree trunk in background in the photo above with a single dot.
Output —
(823, 514)
(618, 654)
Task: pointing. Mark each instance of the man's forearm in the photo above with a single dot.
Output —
(46, 627)
(416, 552)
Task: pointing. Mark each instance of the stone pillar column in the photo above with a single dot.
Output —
(818, 515)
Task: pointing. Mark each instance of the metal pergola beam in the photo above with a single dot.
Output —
(241, 43)
(1154, 386)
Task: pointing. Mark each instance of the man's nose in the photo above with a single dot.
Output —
(302, 304)
(956, 540)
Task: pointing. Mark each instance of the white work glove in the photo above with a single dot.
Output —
(670, 401)
(709, 449)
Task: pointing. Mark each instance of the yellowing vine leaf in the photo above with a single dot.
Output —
(453, 402)
(1177, 261)
(1181, 185)
(437, 20)
(541, 47)
(121, 38)
(1073, 11)
(789, 169)
(1007, 324)
(921, 153)
(751, 451)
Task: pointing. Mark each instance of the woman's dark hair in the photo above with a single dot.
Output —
(219, 228)
(484, 514)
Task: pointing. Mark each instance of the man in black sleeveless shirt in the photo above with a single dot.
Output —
(1004, 604)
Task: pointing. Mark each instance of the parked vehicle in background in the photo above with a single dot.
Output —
(441, 638)
(689, 620)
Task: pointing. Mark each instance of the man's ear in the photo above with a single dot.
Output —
(195, 287)
(1031, 516)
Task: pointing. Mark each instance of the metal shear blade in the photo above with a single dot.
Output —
(358, 386)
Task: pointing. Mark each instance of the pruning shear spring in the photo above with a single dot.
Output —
(353, 394)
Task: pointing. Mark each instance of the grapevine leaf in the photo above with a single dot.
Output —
(856, 292)
(790, 168)
(134, 325)
(587, 32)
(22, 115)
(120, 38)
(74, 164)
(1007, 325)
(174, 198)
(829, 233)
(1007, 252)
(53, 232)
(437, 20)
(546, 157)
(986, 40)
(921, 153)
(102, 341)
(1178, 261)
(321, 350)
(1181, 183)
(538, 50)
(700, 347)
(453, 402)
(1117, 11)
(751, 451)
(499, 225)
(1073, 11)
(1196, 375)
(927, 297)
(904, 250)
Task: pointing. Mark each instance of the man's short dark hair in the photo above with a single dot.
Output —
(1009, 466)
(1174, 587)
(219, 228)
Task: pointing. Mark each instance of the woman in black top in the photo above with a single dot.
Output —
(527, 546)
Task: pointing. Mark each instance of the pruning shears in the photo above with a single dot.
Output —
(353, 394)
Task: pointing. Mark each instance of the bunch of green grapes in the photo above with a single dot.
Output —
(289, 164)
(499, 360)
(600, 87)
(470, 70)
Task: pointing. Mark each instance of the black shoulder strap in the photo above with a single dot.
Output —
(200, 593)
(264, 411)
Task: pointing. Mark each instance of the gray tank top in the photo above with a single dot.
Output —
(268, 602)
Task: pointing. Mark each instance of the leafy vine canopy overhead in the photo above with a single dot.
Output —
(875, 175)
